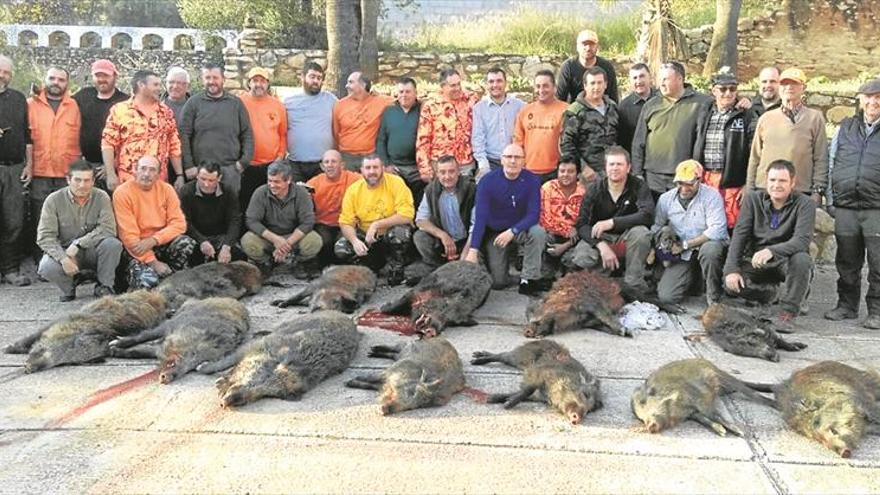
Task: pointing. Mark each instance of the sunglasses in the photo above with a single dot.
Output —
(727, 89)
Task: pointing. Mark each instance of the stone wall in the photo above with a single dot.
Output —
(287, 64)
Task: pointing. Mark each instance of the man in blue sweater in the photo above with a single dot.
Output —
(506, 214)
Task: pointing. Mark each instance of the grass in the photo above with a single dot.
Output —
(525, 31)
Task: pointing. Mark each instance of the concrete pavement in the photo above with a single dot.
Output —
(58, 436)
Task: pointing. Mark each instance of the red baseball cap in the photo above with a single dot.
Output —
(104, 66)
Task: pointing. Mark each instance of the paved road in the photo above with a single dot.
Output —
(58, 436)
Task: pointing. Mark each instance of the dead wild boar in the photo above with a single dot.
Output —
(553, 374)
(743, 334)
(426, 373)
(236, 280)
(832, 403)
(83, 336)
(340, 288)
(584, 299)
(201, 331)
(294, 358)
(448, 296)
(688, 389)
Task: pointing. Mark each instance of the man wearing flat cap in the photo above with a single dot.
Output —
(855, 194)
(724, 141)
(269, 127)
(795, 133)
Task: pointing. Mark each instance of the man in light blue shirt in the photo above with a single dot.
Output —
(695, 212)
(309, 124)
(444, 215)
(494, 119)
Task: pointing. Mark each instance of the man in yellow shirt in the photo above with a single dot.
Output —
(376, 220)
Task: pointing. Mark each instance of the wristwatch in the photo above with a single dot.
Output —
(684, 245)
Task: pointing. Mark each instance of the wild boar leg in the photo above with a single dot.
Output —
(716, 423)
(366, 382)
(384, 351)
(139, 338)
(786, 345)
(139, 352)
(297, 299)
(226, 362)
(512, 399)
(483, 357)
(23, 345)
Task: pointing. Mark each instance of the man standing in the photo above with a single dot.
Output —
(94, 106)
(794, 133)
(309, 124)
(141, 126)
(771, 241)
(667, 129)
(538, 127)
(177, 85)
(631, 107)
(613, 221)
(396, 141)
(445, 127)
(507, 212)
(590, 124)
(216, 129)
(494, 120)
(356, 120)
(724, 141)
(213, 217)
(78, 231)
(561, 200)
(268, 119)
(328, 189)
(376, 220)
(695, 212)
(571, 74)
(855, 184)
(14, 138)
(280, 218)
(151, 226)
(54, 123)
(768, 99)
(444, 215)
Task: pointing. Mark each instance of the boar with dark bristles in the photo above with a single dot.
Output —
(235, 280)
(688, 389)
(339, 288)
(84, 336)
(743, 334)
(448, 296)
(293, 359)
(831, 403)
(552, 375)
(426, 373)
(201, 331)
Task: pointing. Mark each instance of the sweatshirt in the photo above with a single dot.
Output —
(506, 204)
(216, 130)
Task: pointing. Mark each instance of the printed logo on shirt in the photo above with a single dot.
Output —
(738, 124)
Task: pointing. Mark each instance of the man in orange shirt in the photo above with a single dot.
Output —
(328, 188)
(356, 120)
(141, 126)
(151, 226)
(445, 126)
(561, 200)
(269, 126)
(54, 122)
(538, 127)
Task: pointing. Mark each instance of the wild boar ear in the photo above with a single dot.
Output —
(348, 305)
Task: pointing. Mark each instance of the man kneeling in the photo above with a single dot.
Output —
(77, 231)
(444, 215)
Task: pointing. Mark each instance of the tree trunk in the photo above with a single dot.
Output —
(661, 39)
(306, 7)
(722, 51)
(369, 46)
(343, 37)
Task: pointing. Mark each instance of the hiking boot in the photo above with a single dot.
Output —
(785, 322)
(396, 276)
(841, 313)
(872, 322)
(67, 296)
(103, 290)
(17, 279)
(533, 287)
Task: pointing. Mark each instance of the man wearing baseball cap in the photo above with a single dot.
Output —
(94, 106)
(795, 133)
(269, 126)
(570, 80)
(695, 212)
(855, 193)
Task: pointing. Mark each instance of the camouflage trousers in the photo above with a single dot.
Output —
(175, 254)
(393, 246)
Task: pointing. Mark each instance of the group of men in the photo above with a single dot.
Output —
(721, 190)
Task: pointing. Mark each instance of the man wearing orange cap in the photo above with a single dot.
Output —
(94, 107)
(795, 133)
(269, 125)
(570, 80)
(695, 212)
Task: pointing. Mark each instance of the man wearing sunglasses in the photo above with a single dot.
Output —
(724, 141)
